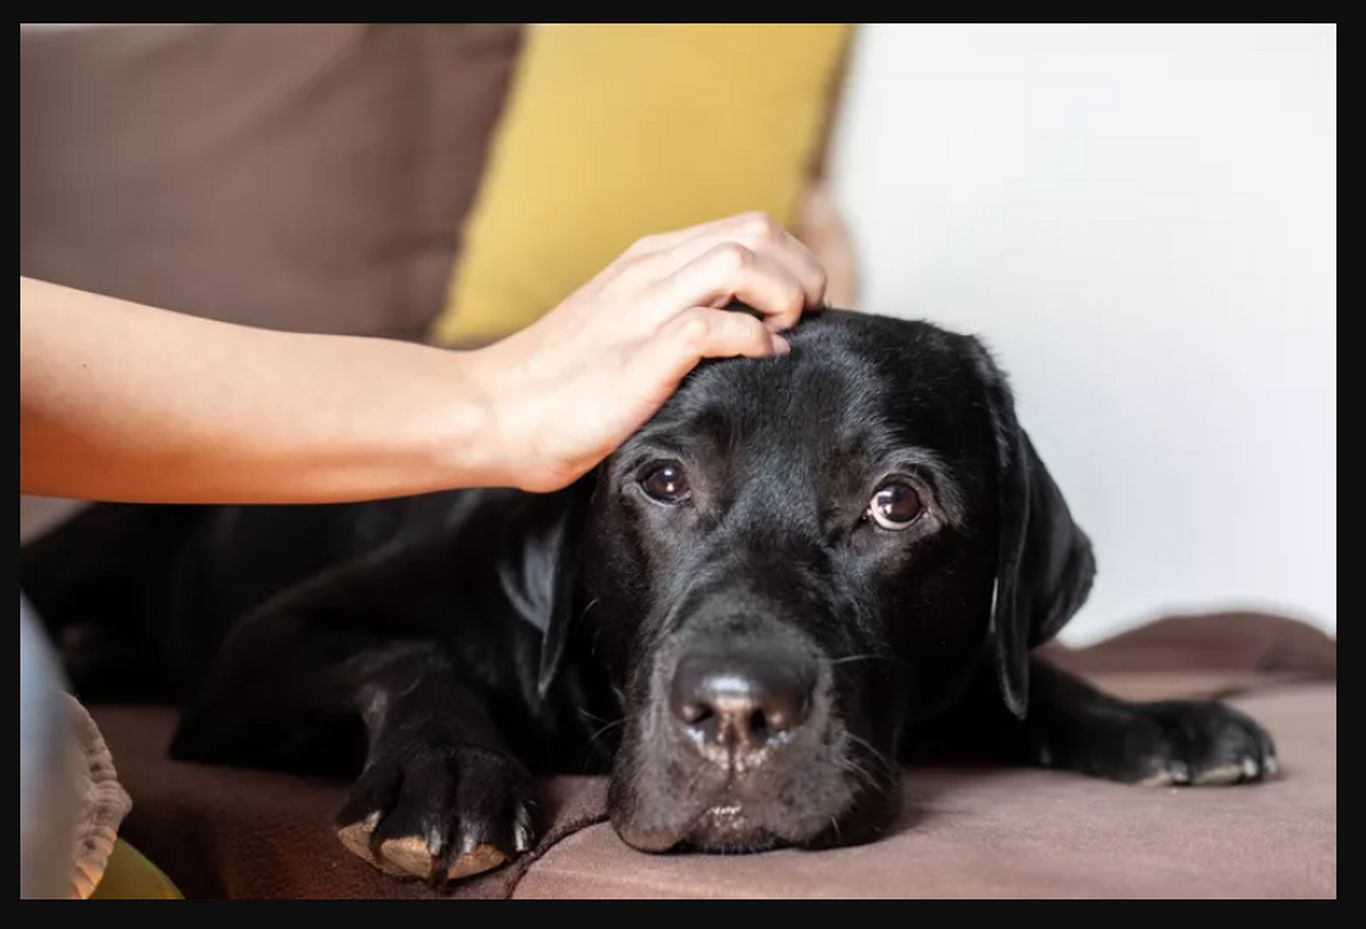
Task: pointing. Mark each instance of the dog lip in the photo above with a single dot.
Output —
(723, 822)
(726, 828)
(725, 814)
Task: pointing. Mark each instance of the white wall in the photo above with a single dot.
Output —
(1142, 222)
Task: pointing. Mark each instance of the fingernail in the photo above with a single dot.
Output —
(780, 345)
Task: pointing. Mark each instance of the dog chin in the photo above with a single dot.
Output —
(723, 835)
(727, 826)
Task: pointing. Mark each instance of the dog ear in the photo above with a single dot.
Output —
(539, 569)
(1044, 563)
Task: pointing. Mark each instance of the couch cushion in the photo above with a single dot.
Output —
(301, 177)
(1013, 833)
(1023, 833)
(615, 131)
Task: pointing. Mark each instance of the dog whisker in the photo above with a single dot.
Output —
(591, 717)
(893, 659)
(605, 729)
(863, 775)
(887, 768)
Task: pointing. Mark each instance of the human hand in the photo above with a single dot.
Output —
(567, 390)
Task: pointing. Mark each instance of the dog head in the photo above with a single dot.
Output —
(796, 558)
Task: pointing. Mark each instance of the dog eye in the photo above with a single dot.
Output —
(666, 483)
(895, 506)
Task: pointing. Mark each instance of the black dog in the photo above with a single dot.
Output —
(801, 570)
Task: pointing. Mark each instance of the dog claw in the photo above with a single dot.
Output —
(521, 831)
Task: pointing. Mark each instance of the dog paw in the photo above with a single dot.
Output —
(1188, 743)
(439, 813)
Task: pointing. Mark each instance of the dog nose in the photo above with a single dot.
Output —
(741, 700)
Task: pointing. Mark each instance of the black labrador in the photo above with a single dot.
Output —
(803, 571)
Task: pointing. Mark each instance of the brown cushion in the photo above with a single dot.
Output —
(1013, 833)
(1026, 833)
(305, 177)
(1231, 642)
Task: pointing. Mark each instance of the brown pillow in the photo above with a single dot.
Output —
(302, 177)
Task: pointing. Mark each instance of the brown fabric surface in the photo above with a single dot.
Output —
(1229, 642)
(227, 832)
(1021, 833)
(1013, 833)
(307, 177)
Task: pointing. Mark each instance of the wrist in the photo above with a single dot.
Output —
(512, 441)
(464, 436)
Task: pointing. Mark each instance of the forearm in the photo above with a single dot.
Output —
(123, 402)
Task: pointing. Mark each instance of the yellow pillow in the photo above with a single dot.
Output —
(613, 132)
(129, 876)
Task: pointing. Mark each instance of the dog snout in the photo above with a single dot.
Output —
(742, 701)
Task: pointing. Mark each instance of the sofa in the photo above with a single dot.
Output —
(321, 178)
